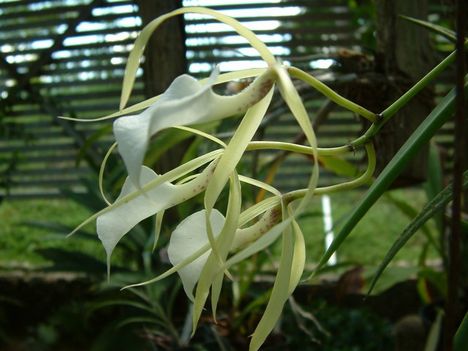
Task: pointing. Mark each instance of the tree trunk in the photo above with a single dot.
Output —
(404, 55)
(164, 61)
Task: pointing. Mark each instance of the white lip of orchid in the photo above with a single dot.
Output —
(111, 226)
(185, 102)
(189, 237)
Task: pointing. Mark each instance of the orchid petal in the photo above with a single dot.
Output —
(112, 225)
(186, 102)
(170, 176)
(189, 237)
(234, 151)
(133, 61)
(299, 257)
(222, 78)
(211, 276)
(279, 294)
(297, 108)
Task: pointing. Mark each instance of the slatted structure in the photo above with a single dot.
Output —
(58, 58)
(311, 35)
(67, 57)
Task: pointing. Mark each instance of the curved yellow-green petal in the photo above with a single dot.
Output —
(211, 271)
(279, 294)
(141, 41)
(233, 153)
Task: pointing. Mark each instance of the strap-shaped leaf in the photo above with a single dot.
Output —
(420, 136)
(445, 32)
(461, 336)
(437, 204)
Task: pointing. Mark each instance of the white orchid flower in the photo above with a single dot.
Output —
(112, 225)
(206, 244)
(185, 102)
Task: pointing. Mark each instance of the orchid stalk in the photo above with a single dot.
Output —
(206, 244)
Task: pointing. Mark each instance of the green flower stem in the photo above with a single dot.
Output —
(272, 215)
(300, 149)
(271, 209)
(403, 100)
(331, 94)
(406, 97)
(420, 136)
(363, 179)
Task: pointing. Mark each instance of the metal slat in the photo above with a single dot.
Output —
(58, 9)
(311, 16)
(22, 39)
(329, 18)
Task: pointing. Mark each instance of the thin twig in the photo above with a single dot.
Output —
(455, 225)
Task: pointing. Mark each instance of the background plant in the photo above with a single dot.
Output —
(291, 263)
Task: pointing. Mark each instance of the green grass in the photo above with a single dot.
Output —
(19, 242)
(366, 245)
(373, 236)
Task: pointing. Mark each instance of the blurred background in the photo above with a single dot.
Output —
(67, 58)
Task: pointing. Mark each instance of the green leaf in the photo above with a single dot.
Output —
(434, 334)
(88, 145)
(411, 212)
(71, 261)
(445, 32)
(121, 302)
(461, 336)
(338, 166)
(140, 320)
(430, 209)
(435, 183)
(420, 136)
(392, 276)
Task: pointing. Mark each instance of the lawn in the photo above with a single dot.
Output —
(373, 236)
(367, 244)
(19, 242)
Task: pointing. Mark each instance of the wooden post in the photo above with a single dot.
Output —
(404, 55)
(164, 60)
